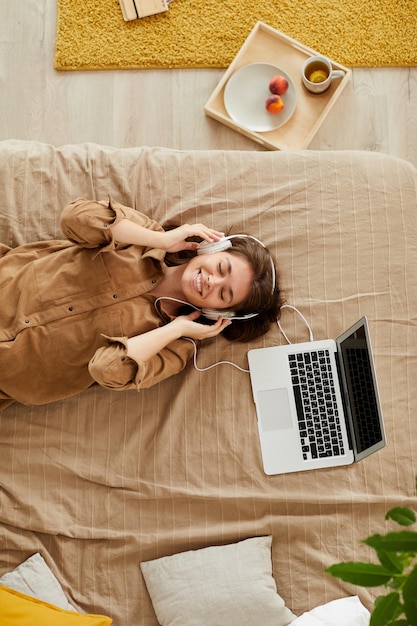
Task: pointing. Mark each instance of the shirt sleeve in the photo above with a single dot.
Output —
(111, 368)
(87, 223)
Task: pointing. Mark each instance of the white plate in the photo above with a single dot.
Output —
(246, 92)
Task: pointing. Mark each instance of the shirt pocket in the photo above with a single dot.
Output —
(76, 339)
(70, 273)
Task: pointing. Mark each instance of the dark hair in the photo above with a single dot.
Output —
(264, 298)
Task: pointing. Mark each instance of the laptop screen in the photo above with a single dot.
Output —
(361, 390)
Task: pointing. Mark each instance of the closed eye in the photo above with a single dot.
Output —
(226, 295)
(225, 267)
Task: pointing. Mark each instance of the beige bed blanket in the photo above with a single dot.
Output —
(102, 481)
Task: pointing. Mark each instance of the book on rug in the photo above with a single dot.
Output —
(135, 9)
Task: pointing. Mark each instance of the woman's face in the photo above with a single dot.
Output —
(217, 281)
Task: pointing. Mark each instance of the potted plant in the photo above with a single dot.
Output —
(396, 571)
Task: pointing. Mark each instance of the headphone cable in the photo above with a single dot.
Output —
(208, 367)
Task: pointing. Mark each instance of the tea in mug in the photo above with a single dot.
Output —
(317, 72)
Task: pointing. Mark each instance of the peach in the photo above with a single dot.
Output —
(278, 85)
(274, 104)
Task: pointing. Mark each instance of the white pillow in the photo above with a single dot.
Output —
(34, 578)
(231, 584)
(343, 612)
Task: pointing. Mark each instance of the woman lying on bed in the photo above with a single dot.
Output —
(90, 309)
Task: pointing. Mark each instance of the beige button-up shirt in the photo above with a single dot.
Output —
(68, 308)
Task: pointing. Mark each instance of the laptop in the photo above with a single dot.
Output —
(317, 403)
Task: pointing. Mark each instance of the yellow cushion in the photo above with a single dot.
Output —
(17, 609)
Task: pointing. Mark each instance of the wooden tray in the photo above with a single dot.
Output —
(268, 45)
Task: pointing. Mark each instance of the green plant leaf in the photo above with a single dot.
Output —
(363, 574)
(402, 515)
(397, 582)
(403, 541)
(410, 596)
(386, 609)
(391, 561)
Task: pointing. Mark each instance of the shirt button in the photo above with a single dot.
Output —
(27, 321)
(153, 281)
(115, 296)
(105, 225)
(70, 308)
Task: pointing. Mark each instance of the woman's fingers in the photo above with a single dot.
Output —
(176, 239)
(210, 235)
(202, 331)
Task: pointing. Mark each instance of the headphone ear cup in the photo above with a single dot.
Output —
(214, 314)
(206, 247)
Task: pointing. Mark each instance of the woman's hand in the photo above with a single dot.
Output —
(189, 327)
(175, 239)
(144, 347)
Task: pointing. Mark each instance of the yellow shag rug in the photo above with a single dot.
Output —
(92, 35)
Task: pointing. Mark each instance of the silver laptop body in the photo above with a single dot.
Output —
(317, 403)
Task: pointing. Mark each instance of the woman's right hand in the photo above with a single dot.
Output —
(175, 239)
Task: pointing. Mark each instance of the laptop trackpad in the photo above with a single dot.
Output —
(274, 409)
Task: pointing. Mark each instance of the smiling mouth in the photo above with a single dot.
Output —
(198, 279)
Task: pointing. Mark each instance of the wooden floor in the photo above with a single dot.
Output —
(377, 112)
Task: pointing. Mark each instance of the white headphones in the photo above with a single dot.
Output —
(224, 243)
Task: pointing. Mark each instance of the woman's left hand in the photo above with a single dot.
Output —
(175, 239)
(189, 327)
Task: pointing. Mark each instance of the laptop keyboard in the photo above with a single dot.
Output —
(318, 415)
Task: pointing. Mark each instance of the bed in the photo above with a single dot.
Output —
(104, 481)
